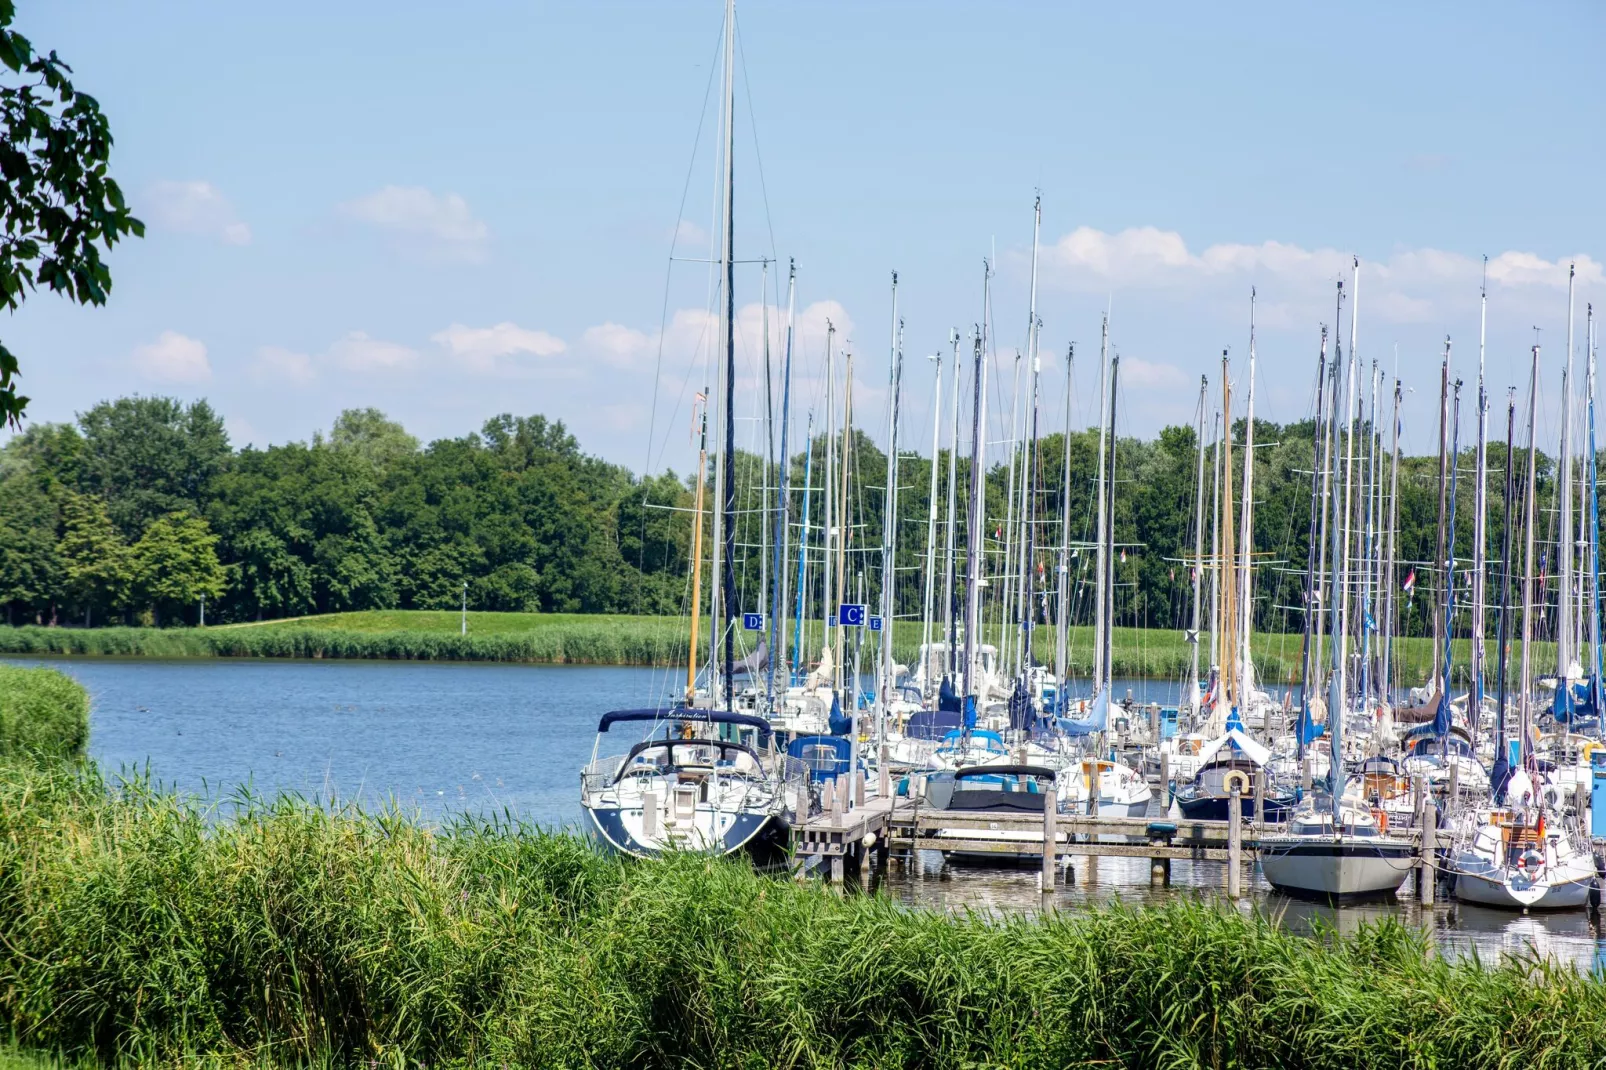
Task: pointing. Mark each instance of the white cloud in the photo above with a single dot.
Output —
(276, 365)
(173, 358)
(358, 352)
(688, 233)
(616, 343)
(195, 207)
(422, 220)
(1407, 286)
(479, 348)
(1151, 375)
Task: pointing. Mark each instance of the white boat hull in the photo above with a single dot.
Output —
(1344, 869)
(1493, 888)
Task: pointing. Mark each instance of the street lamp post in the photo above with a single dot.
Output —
(465, 608)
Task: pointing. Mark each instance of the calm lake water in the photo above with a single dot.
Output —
(443, 738)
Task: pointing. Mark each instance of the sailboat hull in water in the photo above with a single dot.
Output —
(1492, 886)
(1347, 869)
(761, 835)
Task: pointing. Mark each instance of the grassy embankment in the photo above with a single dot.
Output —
(582, 639)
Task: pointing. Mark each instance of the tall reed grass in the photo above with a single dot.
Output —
(43, 714)
(134, 925)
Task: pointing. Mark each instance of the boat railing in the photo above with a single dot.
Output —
(601, 773)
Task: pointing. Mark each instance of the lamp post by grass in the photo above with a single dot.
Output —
(465, 608)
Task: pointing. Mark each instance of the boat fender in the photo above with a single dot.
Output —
(1238, 777)
(868, 841)
(1552, 797)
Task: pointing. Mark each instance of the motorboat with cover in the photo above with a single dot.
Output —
(1005, 788)
(698, 782)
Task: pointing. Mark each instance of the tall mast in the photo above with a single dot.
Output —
(1338, 683)
(1062, 593)
(973, 536)
(1007, 573)
(1028, 467)
(1367, 571)
(769, 434)
(1385, 668)
(1247, 527)
(1449, 569)
(1444, 488)
(931, 529)
(1312, 608)
(803, 550)
(846, 526)
(830, 531)
(1503, 625)
(1103, 520)
(1480, 522)
(1198, 543)
(1217, 425)
(697, 555)
(1594, 668)
(1564, 527)
(783, 504)
(1109, 535)
(950, 609)
(1229, 553)
(1525, 683)
(728, 330)
(889, 522)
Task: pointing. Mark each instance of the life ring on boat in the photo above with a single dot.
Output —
(1552, 796)
(1238, 778)
(1381, 816)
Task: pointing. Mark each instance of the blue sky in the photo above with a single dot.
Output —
(450, 211)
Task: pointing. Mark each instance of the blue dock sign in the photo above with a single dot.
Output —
(851, 615)
(753, 622)
(875, 624)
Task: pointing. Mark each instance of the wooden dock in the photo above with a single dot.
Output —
(852, 827)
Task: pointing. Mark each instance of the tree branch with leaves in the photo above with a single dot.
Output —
(58, 206)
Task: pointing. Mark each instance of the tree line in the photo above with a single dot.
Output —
(140, 510)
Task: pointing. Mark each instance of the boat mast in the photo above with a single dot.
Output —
(1503, 625)
(1525, 682)
(889, 523)
(1480, 522)
(1028, 461)
(803, 551)
(1103, 519)
(783, 504)
(1565, 634)
(1368, 622)
(1444, 488)
(950, 608)
(831, 534)
(1198, 542)
(1247, 527)
(697, 554)
(973, 537)
(1229, 553)
(1338, 684)
(1216, 424)
(1312, 608)
(1062, 593)
(845, 534)
(931, 530)
(1449, 566)
(1594, 669)
(1006, 574)
(1106, 684)
(728, 334)
(1385, 669)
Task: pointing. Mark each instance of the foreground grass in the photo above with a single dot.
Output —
(42, 714)
(134, 927)
(582, 639)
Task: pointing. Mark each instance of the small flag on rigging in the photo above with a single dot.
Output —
(1410, 581)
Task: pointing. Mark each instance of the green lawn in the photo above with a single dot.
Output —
(445, 621)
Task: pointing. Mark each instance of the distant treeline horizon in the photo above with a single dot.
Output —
(141, 509)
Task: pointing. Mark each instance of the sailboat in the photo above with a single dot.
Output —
(1517, 852)
(705, 777)
(1335, 845)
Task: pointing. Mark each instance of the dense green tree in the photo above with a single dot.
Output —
(148, 456)
(95, 559)
(31, 569)
(174, 564)
(58, 206)
(372, 436)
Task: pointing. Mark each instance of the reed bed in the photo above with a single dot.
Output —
(136, 927)
(43, 714)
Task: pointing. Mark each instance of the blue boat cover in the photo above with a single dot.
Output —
(824, 756)
(947, 698)
(1097, 721)
(839, 724)
(931, 724)
(683, 713)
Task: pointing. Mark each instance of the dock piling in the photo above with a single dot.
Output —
(1045, 879)
(1235, 842)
